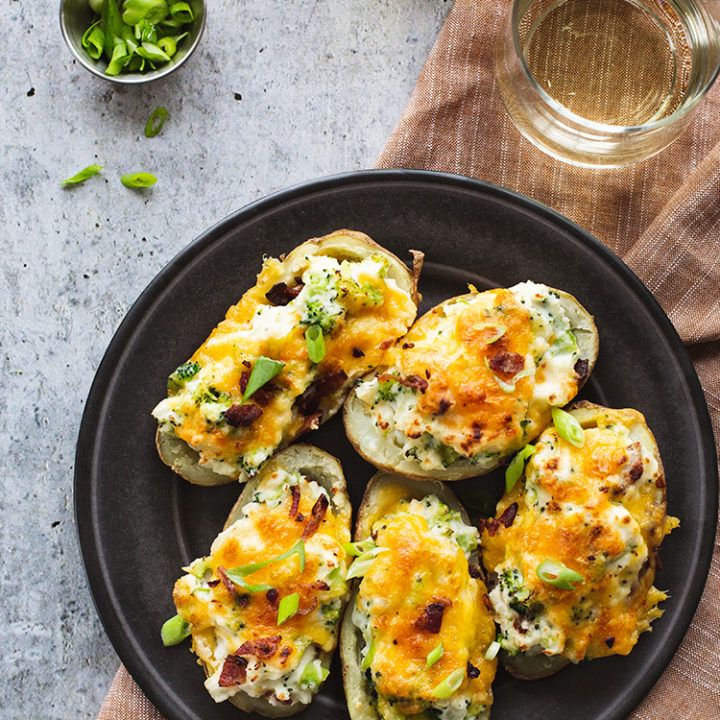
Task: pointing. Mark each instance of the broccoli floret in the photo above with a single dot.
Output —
(185, 372)
(388, 390)
(317, 314)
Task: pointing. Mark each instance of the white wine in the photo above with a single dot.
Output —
(617, 62)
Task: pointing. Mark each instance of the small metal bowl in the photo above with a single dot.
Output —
(76, 17)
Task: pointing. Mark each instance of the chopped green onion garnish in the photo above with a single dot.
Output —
(508, 387)
(492, 651)
(554, 572)
(239, 579)
(83, 175)
(288, 607)
(168, 45)
(243, 570)
(94, 40)
(370, 654)
(138, 180)
(364, 562)
(264, 370)
(155, 122)
(568, 427)
(450, 684)
(174, 631)
(434, 655)
(314, 674)
(358, 548)
(315, 342)
(515, 469)
(153, 11)
(500, 330)
(182, 11)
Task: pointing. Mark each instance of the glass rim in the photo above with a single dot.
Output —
(587, 124)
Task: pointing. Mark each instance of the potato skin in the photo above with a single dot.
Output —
(358, 698)
(343, 245)
(326, 471)
(370, 443)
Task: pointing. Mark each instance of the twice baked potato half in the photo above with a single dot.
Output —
(283, 359)
(572, 551)
(263, 608)
(472, 382)
(417, 639)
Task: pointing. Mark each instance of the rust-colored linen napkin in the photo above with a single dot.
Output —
(661, 216)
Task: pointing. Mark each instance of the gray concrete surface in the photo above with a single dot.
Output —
(278, 93)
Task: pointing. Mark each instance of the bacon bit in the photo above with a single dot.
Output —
(386, 344)
(486, 602)
(262, 396)
(312, 422)
(407, 346)
(299, 517)
(552, 463)
(581, 369)
(242, 415)
(295, 501)
(636, 471)
(281, 294)
(242, 600)
(415, 381)
(272, 596)
(474, 570)
(284, 654)
(508, 515)
(320, 585)
(472, 671)
(554, 506)
(309, 402)
(213, 583)
(610, 641)
(247, 364)
(244, 377)
(233, 671)
(427, 373)
(432, 615)
(492, 526)
(413, 435)
(262, 648)
(309, 608)
(357, 352)
(506, 362)
(595, 532)
(226, 581)
(517, 624)
(660, 482)
(318, 513)
(445, 405)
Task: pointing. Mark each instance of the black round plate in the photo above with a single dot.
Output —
(138, 523)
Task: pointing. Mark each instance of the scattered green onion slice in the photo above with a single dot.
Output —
(138, 180)
(182, 11)
(515, 469)
(568, 427)
(288, 607)
(450, 684)
(174, 631)
(509, 387)
(155, 122)
(83, 175)
(434, 655)
(492, 651)
(243, 570)
(153, 11)
(168, 45)
(314, 674)
(152, 53)
(358, 548)
(500, 330)
(364, 562)
(554, 572)
(370, 654)
(315, 343)
(238, 579)
(264, 370)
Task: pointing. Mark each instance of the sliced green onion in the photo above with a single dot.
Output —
(155, 122)
(174, 631)
(264, 370)
(152, 53)
(146, 32)
(568, 427)
(364, 562)
(288, 607)
(182, 11)
(500, 330)
(515, 469)
(152, 11)
(370, 654)
(168, 45)
(111, 21)
(566, 342)
(96, 6)
(239, 580)
(138, 180)
(450, 684)
(315, 343)
(297, 549)
(118, 58)
(358, 548)
(434, 655)
(314, 674)
(492, 651)
(554, 572)
(508, 387)
(83, 175)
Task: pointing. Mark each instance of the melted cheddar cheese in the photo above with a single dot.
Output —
(424, 562)
(357, 307)
(228, 618)
(600, 511)
(475, 377)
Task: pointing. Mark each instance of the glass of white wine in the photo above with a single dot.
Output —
(605, 83)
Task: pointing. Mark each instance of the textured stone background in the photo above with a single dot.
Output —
(277, 93)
